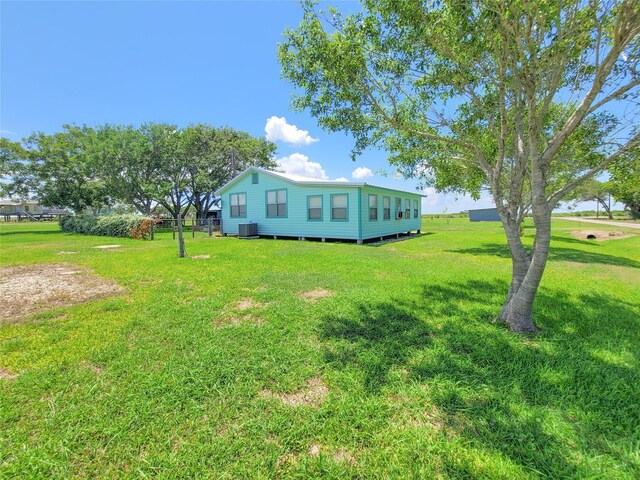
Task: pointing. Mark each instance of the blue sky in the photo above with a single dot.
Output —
(175, 62)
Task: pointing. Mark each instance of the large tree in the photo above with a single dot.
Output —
(213, 155)
(594, 190)
(624, 183)
(125, 158)
(475, 93)
(56, 169)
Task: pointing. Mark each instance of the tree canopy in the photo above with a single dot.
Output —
(624, 183)
(479, 94)
(156, 164)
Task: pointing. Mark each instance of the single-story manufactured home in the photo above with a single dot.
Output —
(275, 204)
(484, 215)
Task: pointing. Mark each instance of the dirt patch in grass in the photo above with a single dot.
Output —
(231, 319)
(42, 286)
(239, 314)
(312, 296)
(108, 246)
(599, 235)
(313, 395)
(198, 257)
(7, 374)
(249, 303)
(66, 253)
(96, 369)
(338, 455)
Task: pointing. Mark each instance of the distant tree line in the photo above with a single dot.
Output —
(155, 166)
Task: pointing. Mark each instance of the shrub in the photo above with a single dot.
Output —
(127, 225)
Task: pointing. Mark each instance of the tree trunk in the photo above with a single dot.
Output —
(520, 262)
(181, 251)
(518, 309)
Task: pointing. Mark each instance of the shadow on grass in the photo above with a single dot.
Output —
(557, 238)
(555, 254)
(372, 242)
(542, 402)
(31, 232)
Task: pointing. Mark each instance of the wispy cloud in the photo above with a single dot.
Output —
(277, 129)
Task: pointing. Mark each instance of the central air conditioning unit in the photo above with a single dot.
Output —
(247, 230)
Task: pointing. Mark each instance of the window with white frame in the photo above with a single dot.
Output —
(415, 209)
(277, 203)
(373, 207)
(386, 208)
(314, 207)
(407, 208)
(238, 202)
(339, 204)
(398, 207)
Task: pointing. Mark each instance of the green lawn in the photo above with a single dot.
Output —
(172, 380)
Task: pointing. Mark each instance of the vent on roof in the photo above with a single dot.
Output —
(254, 178)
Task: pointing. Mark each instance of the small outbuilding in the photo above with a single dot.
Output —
(484, 215)
(261, 202)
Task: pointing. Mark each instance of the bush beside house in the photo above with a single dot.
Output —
(132, 226)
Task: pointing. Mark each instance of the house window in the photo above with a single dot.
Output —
(238, 202)
(407, 208)
(314, 208)
(398, 207)
(373, 207)
(339, 203)
(415, 209)
(254, 178)
(276, 203)
(386, 208)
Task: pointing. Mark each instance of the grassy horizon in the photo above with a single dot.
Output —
(185, 375)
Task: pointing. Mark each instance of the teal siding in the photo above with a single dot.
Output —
(296, 224)
(381, 227)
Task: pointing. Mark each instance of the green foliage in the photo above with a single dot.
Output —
(56, 169)
(126, 225)
(485, 94)
(624, 183)
(84, 168)
(452, 88)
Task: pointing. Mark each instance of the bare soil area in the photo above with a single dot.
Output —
(313, 296)
(312, 395)
(37, 287)
(7, 374)
(599, 235)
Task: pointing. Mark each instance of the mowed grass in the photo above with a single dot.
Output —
(183, 377)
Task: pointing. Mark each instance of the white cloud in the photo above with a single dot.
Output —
(299, 164)
(341, 179)
(362, 172)
(277, 128)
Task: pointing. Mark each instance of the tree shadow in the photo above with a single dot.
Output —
(30, 232)
(562, 254)
(558, 238)
(496, 390)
